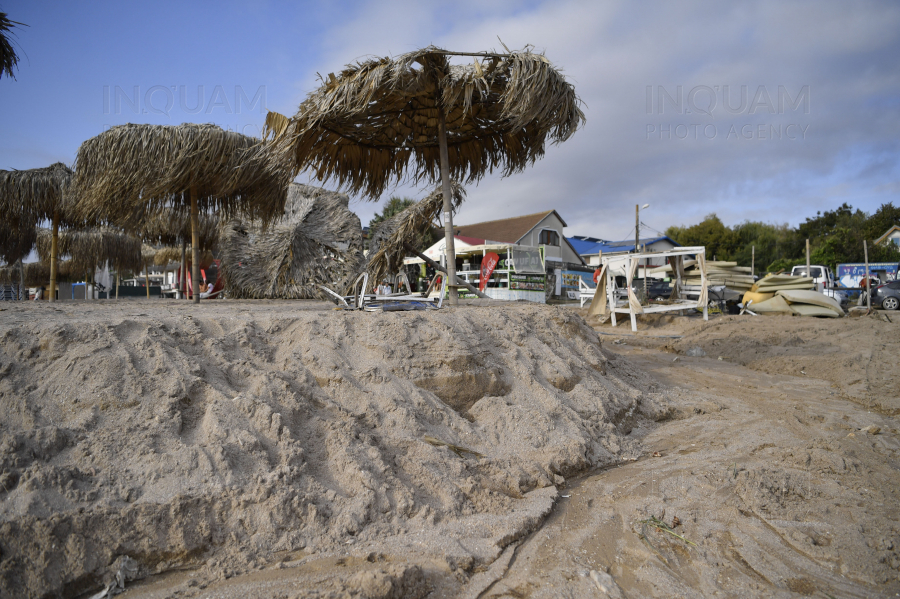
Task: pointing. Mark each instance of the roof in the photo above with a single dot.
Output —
(506, 230)
(895, 228)
(614, 247)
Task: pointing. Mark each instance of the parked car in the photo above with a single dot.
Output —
(841, 297)
(656, 288)
(887, 296)
(822, 276)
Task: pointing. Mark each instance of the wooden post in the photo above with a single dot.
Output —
(54, 251)
(637, 226)
(117, 282)
(450, 249)
(868, 282)
(753, 261)
(22, 295)
(147, 279)
(195, 241)
(808, 273)
(182, 284)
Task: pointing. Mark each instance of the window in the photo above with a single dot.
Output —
(549, 237)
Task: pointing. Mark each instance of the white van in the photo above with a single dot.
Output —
(822, 276)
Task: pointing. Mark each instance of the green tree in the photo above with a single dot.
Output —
(719, 240)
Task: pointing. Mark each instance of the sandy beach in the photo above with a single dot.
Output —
(285, 449)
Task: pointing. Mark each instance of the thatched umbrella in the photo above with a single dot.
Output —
(34, 274)
(130, 173)
(8, 57)
(89, 249)
(387, 243)
(418, 117)
(173, 228)
(317, 242)
(30, 196)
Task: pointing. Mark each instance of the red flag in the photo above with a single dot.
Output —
(488, 263)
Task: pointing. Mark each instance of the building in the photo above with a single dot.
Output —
(591, 248)
(892, 236)
(542, 229)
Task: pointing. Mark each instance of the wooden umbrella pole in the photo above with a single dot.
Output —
(182, 284)
(450, 250)
(195, 241)
(117, 282)
(147, 279)
(54, 248)
(22, 295)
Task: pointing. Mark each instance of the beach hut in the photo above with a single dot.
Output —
(30, 196)
(130, 173)
(418, 117)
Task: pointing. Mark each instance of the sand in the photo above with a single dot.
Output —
(283, 449)
(239, 434)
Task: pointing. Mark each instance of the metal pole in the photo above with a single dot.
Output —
(868, 283)
(195, 250)
(450, 249)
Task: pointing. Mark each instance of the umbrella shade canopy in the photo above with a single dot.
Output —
(36, 273)
(378, 121)
(387, 244)
(91, 248)
(8, 57)
(30, 196)
(173, 227)
(131, 173)
(168, 255)
(319, 241)
(16, 242)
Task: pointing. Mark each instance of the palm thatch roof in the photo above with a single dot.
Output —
(16, 242)
(318, 241)
(91, 248)
(173, 227)
(33, 195)
(387, 244)
(36, 273)
(131, 173)
(378, 120)
(8, 57)
(169, 254)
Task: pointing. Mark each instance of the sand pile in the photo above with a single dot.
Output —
(239, 433)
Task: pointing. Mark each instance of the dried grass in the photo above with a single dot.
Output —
(89, 249)
(377, 121)
(387, 245)
(318, 241)
(8, 57)
(131, 173)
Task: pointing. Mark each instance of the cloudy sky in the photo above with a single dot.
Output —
(754, 110)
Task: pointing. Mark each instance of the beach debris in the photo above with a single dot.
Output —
(657, 454)
(695, 352)
(605, 584)
(872, 429)
(675, 359)
(676, 521)
(658, 524)
(457, 449)
(126, 571)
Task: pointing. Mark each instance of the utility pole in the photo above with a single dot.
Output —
(753, 261)
(868, 282)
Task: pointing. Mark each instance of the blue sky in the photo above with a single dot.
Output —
(832, 137)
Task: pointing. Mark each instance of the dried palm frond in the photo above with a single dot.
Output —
(92, 248)
(8, 57)
(387, 245)
(16, 242)
(33, 195)
(172, 227)
(36, 273)
(318, 241)
(169, 255)
(131, 173)
(378, 120)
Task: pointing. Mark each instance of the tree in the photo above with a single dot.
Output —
(719, 240)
